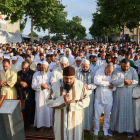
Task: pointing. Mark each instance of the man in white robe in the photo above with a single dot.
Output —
(86, 76)
(57, 74)
(69, 56)
(101, 60)
(103, 98)
(41, 85)
(93, 66)
(51, 64)
(68, 98)
(15, 66)
(124, 78)
(77, 64)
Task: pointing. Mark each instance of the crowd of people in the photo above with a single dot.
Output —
(63, 85)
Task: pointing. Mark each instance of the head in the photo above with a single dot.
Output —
(68, 77)
(85, 65)
(63, 62)
(92, 50)
(78, 61)
(52, 57)
(115, 60)
(127, 56)
(80, 54)
(108, 58)
(28, 58)
(38, 67)
(93, 60)
(48, 58)
(67, 51)
(41, 55)
(25, 67)
(125, 64)
(103, 55)
(44, 67)
(109, 69)
(6, 64)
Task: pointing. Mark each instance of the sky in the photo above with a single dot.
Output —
(82, 8)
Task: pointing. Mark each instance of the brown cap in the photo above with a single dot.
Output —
(69, 71)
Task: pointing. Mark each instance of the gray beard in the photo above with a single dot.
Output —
(43, 72)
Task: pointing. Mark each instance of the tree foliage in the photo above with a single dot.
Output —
(46, 37)
(34, 34)
(57, 37)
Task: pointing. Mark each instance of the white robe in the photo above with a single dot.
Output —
(68, 125)
(51, 66)
(43, 114)
(16, 67)
(94, 68)
(100, 62)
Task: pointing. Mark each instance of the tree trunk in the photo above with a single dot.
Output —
(107, 38)
(133, 34)
(31, 29)
(138, 33)
(49, 34)
(115, 34)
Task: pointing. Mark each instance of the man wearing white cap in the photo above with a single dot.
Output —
(57, 73)
(86, 76)
(69, 56)
(96, 52)
(1, 59)
(14, 65)
(77, 64)
(37, 57)
(41, 85)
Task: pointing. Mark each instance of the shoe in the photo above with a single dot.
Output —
(134, 135)
(129, 135)
(110, 133)
(139, 133)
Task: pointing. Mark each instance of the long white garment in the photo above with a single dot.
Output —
(43, 114)
(56, 75)
(136, 102)
(16, 67)
(51, 66)
(20, 59)
(68, 125)
(100, 62)
(94, 68)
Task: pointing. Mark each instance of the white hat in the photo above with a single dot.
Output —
(96, 48)
(78, 58)
(11, 54)
(45, 63)
(34, 47)
(64, 59)
(85, 61)
(14, 58)
(41, 49)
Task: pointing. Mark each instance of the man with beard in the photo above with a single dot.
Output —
(77, 64)
(69, 56)
(125, 79)
(108, 60)
(15, 66)
(85, 75)
(41, 85)
(68, 98)
(26, 94)
(57, 73)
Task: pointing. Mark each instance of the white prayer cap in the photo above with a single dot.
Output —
(66, 45)
(129, 46)
(45, 63)
(14, 58)
(78, 58)
(96, 48)
(41, 49)
(67, 49)
(1, 55)
(11, 54)
(64, 59)
(85, 61)
(34, 47)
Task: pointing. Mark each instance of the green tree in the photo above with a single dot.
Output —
(34, 34)
(41, 12)
(47, 37)
(57, 37)
(22, 25)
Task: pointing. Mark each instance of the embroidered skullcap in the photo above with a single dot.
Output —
(45, 63)
(69, 71)
(85, 61)
(64, 59)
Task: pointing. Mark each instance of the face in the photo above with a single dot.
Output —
(14, 61)
(127, 57)
(93, 61)
(41, 57)
(63, 65)
(25, 68)
(81, 55)
(44, 68)
(103, 56)
(108, 59)
(114, 61)
(38, 67)
(69, 80)
(125, 67)
(28, 52)
(28, 59)
(108, 71)
(48, 59)
(91, 51)
(85, 67)
(6, 66)
(53, 59)
(78, 62)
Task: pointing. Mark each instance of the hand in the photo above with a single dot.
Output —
(127, 82)
(2, 83)
(103, 80)
(44, 86)
(67, 98)
(110, 86)
(23, 84)
(86, 86)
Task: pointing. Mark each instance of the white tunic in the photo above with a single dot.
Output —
(16, 67)
(43, 114)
